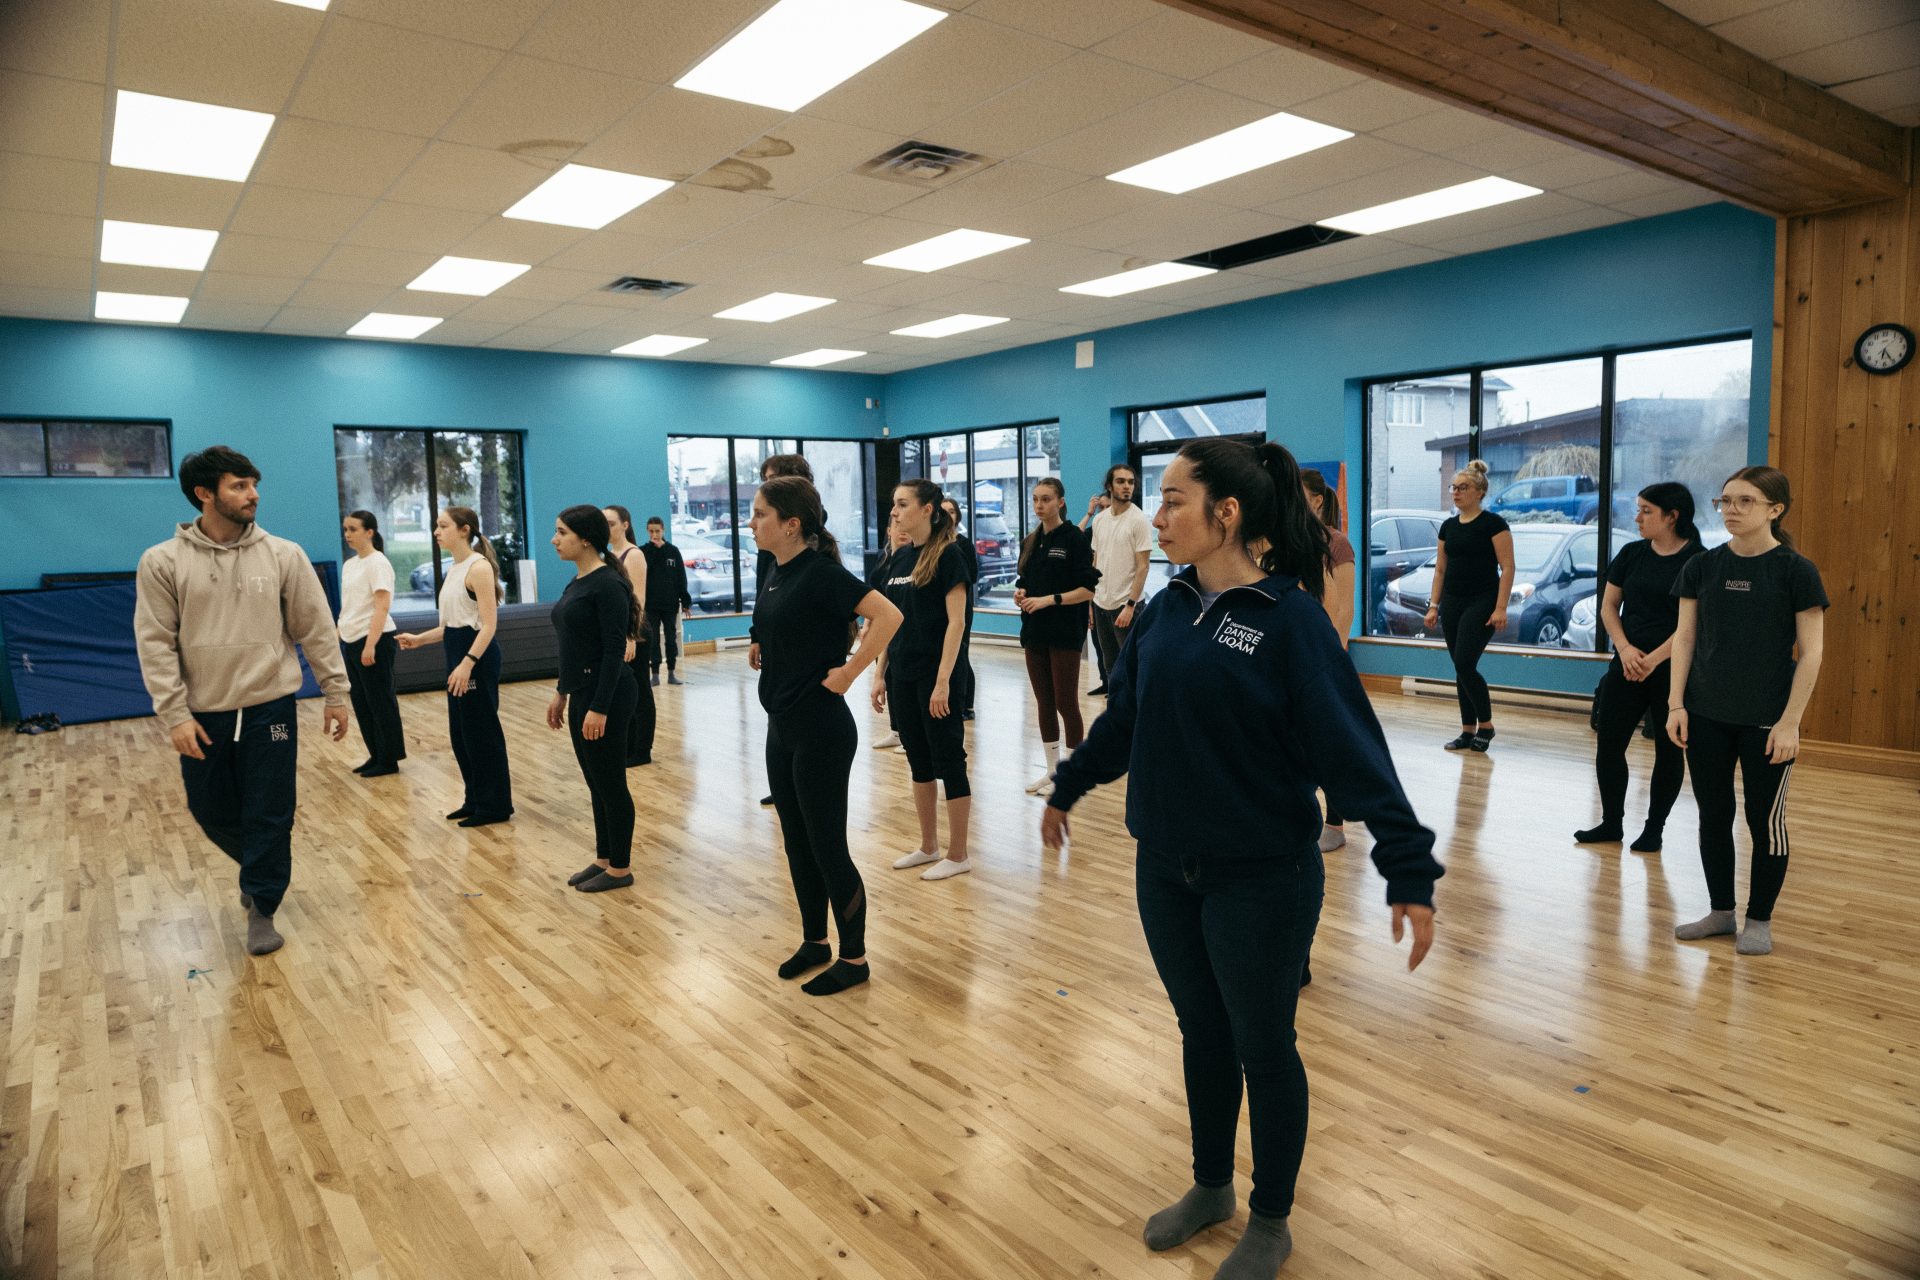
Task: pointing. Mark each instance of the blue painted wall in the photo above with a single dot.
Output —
(596, 425)
(1699, 273)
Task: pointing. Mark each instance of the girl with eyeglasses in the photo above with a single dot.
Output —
(1472, 574)
(1738, 693)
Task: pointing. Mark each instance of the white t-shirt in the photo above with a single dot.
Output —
(1116, 541)
(359, 579)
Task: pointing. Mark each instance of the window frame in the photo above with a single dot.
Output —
(46, 421)
(1138, 450)
(1609, 358)
(519, 438)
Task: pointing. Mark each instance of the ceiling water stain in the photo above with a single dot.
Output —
(738, 172)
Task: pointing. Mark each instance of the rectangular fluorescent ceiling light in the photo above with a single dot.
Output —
(385, 324)
(147, 244)
(659, 344)
(582, 196)
(1482, 193)
(1227, 155)
(799, 49)
(476, 277)
(948, 327)
(814, 359)
(171, 135)
(150, 308)
(774, 306)
(946, 250)
(1142, 278)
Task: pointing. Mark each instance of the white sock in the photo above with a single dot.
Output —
(1053, 762)
(918, 858)
(947, 867)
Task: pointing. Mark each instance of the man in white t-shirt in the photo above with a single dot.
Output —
(1122, 543)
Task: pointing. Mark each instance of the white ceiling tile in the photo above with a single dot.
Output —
(455, 177)
(382, 77)
(313, 155)
(1187, 114)
(1365, 106)
(47, 184)
(1425, 173)
(315, 321)
(52, 304)
(1680, 197)
(363, 264)
(498, 23)
(612, 254)
(462, 333)
(238, 316)
(516, 240)
(951, 68)
(1442, 129)
(297, 215)
(1708, 12)
(656, 40)
(345, 295)
(239, 254)
(862, 194)
(233, 53)
(1875, 53)
(502, 310)
(1061, 99)
(1572, 169)
(1619, 189)
(1393, 260)
(1562, 224)
(1075, 22)
(1500, 219)
(552, 285)
(918, 290)
(265, 291)
(1182, 45)
(1883, 92)
(68, 38)
(45, 116)
(529, 337)
(689, 212)
(1357, 157)
(55, 235)
(1283, 78)
(992, 194)
(802, 152)
(787, 226)
(1906, 117)
(40, 271)
(589, 315)
(1792, 28)
(1090, 201)
(140, 195)
(418, 228)
(530, 100)
(675, 134)
(1513, 151)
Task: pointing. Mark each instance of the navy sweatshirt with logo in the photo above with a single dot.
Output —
(1228, 717)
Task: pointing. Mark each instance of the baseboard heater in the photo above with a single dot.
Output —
(1534, 699)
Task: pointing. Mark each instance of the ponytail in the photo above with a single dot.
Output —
(468, 518)
(371, 525)
(589, 524)
(793, 497)
(1672, 497)
(1274, 516)
(1316, 484)
(1032, 540)
(927, 494)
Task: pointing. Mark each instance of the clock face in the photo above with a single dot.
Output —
(1884, 348)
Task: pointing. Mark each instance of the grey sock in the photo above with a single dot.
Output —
(262, 938)
(1711, 925)
(1186, 1217)
(1756, 939)
(1264, 1246)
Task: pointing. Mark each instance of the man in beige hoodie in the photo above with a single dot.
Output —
(221, 606)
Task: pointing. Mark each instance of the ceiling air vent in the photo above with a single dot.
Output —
(645, 288)
(923, 164)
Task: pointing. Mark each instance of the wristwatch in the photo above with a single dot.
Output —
(1056, 597)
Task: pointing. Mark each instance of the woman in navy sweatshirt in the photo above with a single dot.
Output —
(1231, 702)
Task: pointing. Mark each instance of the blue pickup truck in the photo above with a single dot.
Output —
(1575, 498)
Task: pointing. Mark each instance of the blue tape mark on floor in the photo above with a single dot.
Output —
(473, 895)
(1062, 991)
(197, 973)
(1581, 1088)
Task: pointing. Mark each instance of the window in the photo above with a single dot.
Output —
(1567, 443)
(95, 450)
(989, 473)
(406, 477)
(711, 481)
(1156, 436)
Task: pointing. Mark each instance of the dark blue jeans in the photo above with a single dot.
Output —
(1229, 937)
(242, 794)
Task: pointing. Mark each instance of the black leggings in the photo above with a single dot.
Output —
(1622, 709)
(1464, 623)
(603, 763)
(1713, 748)
(663, 638)
(1229, 940)
(473, 722)
(376, 707)
(638, 736)
(936, 748)
(809, 758)
(1055, 677)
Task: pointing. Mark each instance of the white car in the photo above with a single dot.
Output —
(1581, 621)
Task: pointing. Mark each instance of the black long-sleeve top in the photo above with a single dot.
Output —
(1059, 562)
(666, 578)
(592, 621)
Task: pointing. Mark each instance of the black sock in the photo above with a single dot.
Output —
(811, 955)
(379, 770)
(1608, 832)
(837, 979)
(363, 766)
(585, 874)
(1648, 841)
(464, 811)
(611, 878)
(482, 820)
(1462, 743)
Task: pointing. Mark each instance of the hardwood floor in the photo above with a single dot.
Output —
(457, 1067)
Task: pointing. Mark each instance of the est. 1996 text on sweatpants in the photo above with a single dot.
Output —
(242, 793)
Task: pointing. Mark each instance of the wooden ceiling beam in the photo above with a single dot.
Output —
(1625, 78)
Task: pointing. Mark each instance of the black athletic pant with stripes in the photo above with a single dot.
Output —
(810, 752)
(1713, 749)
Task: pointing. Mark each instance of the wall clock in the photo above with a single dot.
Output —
(1884, 348)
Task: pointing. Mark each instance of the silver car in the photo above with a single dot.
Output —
(1581, 622)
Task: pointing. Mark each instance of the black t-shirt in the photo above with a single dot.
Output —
(1472, 567)
(666, 578)
(914, 653)
(1744, 630)
(591, 623)
(1648, 609)
(1060, 562)
(801, 617)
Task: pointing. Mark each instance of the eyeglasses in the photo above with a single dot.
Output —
(1741, 503)
(1462, 488)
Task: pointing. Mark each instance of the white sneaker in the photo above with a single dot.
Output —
(1042, 785)
(891, 740)
(918, 858)
(1331, 838)
(1046, 789)
(947, 869)
(900, 751)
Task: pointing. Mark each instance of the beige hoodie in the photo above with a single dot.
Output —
(216, 624)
